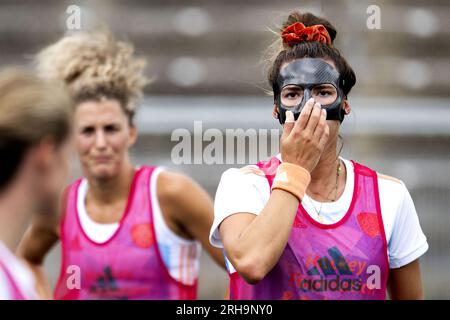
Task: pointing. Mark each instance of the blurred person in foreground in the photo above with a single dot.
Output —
(35, 131)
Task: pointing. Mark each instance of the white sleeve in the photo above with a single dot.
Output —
(4, 292)
(407, 242)
(238, 191)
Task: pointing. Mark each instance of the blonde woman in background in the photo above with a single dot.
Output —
(134, 232)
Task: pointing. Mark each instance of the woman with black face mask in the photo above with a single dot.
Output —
(307, 223)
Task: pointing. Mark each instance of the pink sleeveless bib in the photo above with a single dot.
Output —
(127, 266)
(346, 260)
(15, 293)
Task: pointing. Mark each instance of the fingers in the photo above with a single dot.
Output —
(288, 124)
(302, 120)
(305, 139)
(320, 128)
(313, 119)
(324, 137)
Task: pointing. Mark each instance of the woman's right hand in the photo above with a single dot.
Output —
(304, 140)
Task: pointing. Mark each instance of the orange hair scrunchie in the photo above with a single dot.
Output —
(297, 33)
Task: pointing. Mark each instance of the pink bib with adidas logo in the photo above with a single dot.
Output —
(128, 265)
(346, 260)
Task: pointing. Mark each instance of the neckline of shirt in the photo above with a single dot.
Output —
(338, 207)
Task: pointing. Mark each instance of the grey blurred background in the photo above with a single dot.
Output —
(205, 58)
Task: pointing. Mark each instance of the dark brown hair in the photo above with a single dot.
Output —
(313, 49)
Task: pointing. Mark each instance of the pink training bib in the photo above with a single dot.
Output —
(346, 260)
(127, 266)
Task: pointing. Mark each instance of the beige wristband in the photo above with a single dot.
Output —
(292, 178)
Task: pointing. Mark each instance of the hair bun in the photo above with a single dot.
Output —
(94, 64)
(297, 33)
(308, 20)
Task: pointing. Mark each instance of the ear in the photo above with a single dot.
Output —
(133, 135)
(43, 153)
(346, 107)
(275, 111)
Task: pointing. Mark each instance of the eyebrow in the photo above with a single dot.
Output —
(324, 85)
(292, 86)
(299, 87)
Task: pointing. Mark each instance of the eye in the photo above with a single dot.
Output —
(291, 94)
(111, 128)
(325, 93)
(87, 131)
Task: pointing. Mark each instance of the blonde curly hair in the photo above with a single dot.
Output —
(95, 66)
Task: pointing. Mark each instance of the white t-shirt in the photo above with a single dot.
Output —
(180, 256)
(241, 190)
(22, 275)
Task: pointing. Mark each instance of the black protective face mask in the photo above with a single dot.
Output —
(308, 73)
